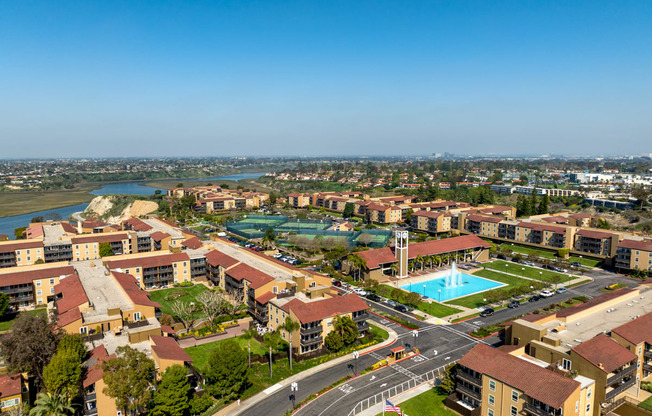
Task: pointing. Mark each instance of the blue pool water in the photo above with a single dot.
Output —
(472, 284)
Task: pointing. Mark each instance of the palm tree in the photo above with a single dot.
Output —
(438, 260)
(394, 269)
(271, 340)
(420, 260)
(357, 263)
(445, 258)
(469, 251)
(48, 404)
(291, 327)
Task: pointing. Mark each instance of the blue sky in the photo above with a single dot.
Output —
(165, 78)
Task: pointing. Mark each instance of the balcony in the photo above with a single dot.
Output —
(311, 341)
(361, 317)
(533, 410)
(469, 392)
(615, 392)
(363, 327)
(647, 353)
(622, 373)
(647, 367)
(311, 330)
(469, 378)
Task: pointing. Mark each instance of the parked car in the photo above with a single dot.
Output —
(546, 293)
(534, 299)
(562, 290)
(576, 264)
(360, 292)
(501, 257)
(487, 312)
(391, 303)
(517, 260)
(374, 297)
(337, 283)
(514, 304)
(401, 308)
(277, 255)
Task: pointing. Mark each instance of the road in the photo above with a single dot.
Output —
(439, 345)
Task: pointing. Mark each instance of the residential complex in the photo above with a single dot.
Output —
(211, 199)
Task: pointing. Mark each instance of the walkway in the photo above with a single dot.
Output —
(243, 325)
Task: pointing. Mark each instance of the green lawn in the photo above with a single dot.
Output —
(165, 297)
(200, 353)
(7, 321)
(428, 403)
(437, 309)
(525, 271)
(551, 254)
(646, 404)
(475, 300)
(378, 333)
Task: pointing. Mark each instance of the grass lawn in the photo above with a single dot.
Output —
(200, 353)
(551, 254)
(525, 271)
(646, 404)
(7, 321)
(165, 297)
(475, 300)
(19, 202)
(378, 333)
(437, 309)
(428, 403)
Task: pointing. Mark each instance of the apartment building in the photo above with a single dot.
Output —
(596, 242)
(492, 382)
(299, 200)
(154, 270)
(634, 255)
(30, 286)
(14, 391)
(432, 222)
(315, 316)
(211, 199)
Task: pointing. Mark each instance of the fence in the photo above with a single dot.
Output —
(398, 389)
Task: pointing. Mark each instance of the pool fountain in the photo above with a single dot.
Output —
(454, 278)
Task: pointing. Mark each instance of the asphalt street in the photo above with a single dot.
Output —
(439, 345)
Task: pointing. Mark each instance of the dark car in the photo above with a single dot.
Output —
(373, 296)
(576, 264)
(514, 304)
(514, 260)
(534, 299)
(487, 312)
(401, 308)
(501, 257)
(337, 283)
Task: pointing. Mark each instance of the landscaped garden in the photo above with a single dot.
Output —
(414, 299)
(7, 320)
(526, 271)
(429, 403)
(550, 254)
(166, 297)
(477, 300)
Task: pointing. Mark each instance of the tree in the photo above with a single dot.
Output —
(357, 263)
(272, 198)
(349, 209)
(394, 268)
(365, 239)
(234, 300)
(291, 327)
(271, 341)
(53, 216)
(48, 404)
(211, 304)
(20, 232)
(63, 374)
(408, 216)
(183, 311)
(30, 345)
(4, 303)
(412, 298)
(227, 370)
(199, 404)
(555, 280)
(347, 329)
(543, 205)
(36, 219)
(171, 397)
(128, 378)
(270, 234)
(334, 341)
(447, 380)
(105, 249)
(179, 185)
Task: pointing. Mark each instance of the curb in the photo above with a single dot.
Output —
(391, 320)
(490, 335)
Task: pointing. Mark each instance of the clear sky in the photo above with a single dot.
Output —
(354, 77)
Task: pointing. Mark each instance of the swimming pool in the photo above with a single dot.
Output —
(471, 285)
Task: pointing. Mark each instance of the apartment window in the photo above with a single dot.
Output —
(28, 251)
(52, 291)
(588, 408)
(275, 289)
(588, 393)
(38, 251)
(38, 283)
(638, 365)
(137, 269)
(492, 385)
(175, 273)
(492, 399)
(136, 316)
(566, 364)
(640, 350)
(51, 282)
(490, 412)
(514, 396)
(86, 246)
(577, 406)
(39, 292)
(513, 411)
(83, 330)
(29, 258)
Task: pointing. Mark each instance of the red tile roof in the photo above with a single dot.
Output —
(192, 243)
(100, 238)
(131, 287)
(27, 276)
(374, 258)
(166, 348)
(68, 317)
(637, 331)
(643, 245)
(93, 224)
(11, 385)
(73, 293)
(446, 245)
(94, 365)
(604, 353)
(159, 235)
(428, 214)
(594, 234)
(254, 276)
(137, 224)
(265, 297)
(67, 227)
(556, 220)
(542, 227)
(148, 261)
(13, 245)
(537, 382)
(325, 308)
(34, 231)
(167, 330)
(217, 258)
(483, 218)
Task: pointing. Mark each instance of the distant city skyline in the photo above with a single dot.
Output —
(240, 78)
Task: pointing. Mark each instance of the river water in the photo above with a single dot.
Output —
(8, 224)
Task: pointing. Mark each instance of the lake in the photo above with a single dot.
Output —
(8, 224)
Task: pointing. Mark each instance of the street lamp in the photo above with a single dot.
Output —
(424, 290)
(356, 355)
(415, 335)
(439, 294)
(294, 387)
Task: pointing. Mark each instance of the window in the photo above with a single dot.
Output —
(492, 399)
(490, 412)
(275, 289)
(588, 408)
(136, 316)
(39, 293)
(492, 385)
(38, 283)
(566, 364)
(10, 403)
(638, 365)
(577, 406)
(28, 251)
(588, 393)
(51, 282)
(513, 411)
(640, 350)
(514, 396)
(83, 330)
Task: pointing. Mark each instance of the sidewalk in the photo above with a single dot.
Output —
(233, 409)
(396, 400)
(243, 325)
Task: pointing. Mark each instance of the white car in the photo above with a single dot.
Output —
(360, 292)
(546, 293)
